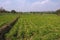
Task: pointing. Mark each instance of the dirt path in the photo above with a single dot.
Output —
(5, 29)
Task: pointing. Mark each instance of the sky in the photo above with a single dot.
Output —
(30, 5)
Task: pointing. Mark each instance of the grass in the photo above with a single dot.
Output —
(6, 18)
(35, 27)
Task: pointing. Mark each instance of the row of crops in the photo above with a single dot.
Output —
(6, 18)
(35, 27)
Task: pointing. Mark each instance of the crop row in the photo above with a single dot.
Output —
(35, 27)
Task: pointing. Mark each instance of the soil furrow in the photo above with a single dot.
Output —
(6, 28)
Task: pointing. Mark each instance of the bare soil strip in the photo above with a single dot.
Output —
(5, 29)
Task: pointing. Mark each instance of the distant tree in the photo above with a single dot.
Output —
(13, 11)
(2, 10)
(58, 12)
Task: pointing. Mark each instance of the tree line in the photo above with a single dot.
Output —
(2, 10)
